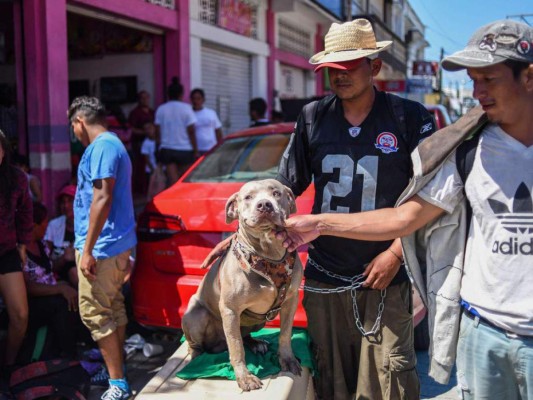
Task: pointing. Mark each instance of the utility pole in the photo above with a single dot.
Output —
(348, 9)
(441, 96)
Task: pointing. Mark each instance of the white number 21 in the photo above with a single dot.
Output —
(367, 166)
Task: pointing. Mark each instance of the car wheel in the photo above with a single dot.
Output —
(422, 335)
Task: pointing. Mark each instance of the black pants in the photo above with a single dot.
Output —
(53, 312)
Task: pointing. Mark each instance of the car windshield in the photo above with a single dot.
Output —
(242, 159)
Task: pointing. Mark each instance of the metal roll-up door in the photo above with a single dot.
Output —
(226, 79)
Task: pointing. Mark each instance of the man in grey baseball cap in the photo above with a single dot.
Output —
(474, 274)
(493, 44)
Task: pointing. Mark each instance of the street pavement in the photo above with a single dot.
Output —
(141, 369)
(429, 389)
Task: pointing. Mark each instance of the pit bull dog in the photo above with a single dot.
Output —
(248, 285)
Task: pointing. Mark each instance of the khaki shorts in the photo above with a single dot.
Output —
(101, 301)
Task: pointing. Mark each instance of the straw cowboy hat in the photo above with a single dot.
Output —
(349, 41)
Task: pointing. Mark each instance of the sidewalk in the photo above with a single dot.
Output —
(142, 369)
(429, 389)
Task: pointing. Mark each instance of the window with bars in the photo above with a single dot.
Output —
(239, 16)
(170, 4)
(207, 12)
(294, 39)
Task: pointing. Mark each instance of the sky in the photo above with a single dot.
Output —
(450, 23)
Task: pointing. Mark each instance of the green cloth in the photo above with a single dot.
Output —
(208, 365)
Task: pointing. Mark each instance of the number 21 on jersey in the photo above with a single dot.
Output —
(366, 166)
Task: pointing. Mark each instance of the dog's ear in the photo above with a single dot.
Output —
(232, 209)
(292, 201)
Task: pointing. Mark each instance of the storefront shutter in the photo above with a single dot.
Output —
(226, 79)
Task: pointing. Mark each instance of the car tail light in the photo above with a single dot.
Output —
(155, 226)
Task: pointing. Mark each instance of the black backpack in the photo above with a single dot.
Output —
(59, 378)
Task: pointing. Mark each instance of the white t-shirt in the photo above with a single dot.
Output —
(206, 123)
(148, 149)
(173, 118)
(498, 273)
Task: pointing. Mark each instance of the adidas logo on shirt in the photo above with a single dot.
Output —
(519, 221)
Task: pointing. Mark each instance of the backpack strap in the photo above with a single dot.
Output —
(464, 156)
(313, 112)
(398, 110)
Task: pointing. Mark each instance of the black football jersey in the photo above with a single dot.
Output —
(354, 169)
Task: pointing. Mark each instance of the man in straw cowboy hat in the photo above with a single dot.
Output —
(355, 146)
(475, 273)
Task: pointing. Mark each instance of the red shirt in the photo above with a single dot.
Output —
(16, 217)
(140, 116)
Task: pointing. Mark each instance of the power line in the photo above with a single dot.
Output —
(440, 33)
(523, 17)
(452, 41)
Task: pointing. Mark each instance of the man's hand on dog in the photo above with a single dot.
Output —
(299, 230)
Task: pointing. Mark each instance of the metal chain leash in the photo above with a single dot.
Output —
(355, 283)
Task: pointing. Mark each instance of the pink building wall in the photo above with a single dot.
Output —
(287, 58)
(45, 93)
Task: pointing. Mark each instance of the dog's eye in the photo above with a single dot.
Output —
(276, 193)
(248, 197)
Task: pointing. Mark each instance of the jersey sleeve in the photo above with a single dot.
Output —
(295, 166)
(420, 125)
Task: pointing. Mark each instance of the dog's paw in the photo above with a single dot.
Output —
(290, 364)
(256, 345)
(249, 382)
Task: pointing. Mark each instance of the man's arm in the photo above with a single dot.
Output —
(100, 207)
(191, 131)
(218, 134)
(377, 225)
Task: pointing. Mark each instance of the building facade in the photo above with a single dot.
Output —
(54, 50)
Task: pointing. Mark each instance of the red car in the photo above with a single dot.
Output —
(181, 225)
(440, 114)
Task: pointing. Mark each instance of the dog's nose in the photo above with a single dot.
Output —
(264, 206)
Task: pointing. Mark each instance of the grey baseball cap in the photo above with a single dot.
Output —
(492, 44)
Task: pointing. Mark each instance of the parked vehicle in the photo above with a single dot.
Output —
(181, 225)
(440, 114)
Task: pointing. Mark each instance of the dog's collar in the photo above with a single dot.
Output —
(277, 272)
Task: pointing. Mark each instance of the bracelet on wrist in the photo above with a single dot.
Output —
(395, 255)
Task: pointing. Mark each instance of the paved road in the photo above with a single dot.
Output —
(428, 387)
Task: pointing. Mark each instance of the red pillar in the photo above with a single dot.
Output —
(177, 49)
(271, 60)
(45, 49)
